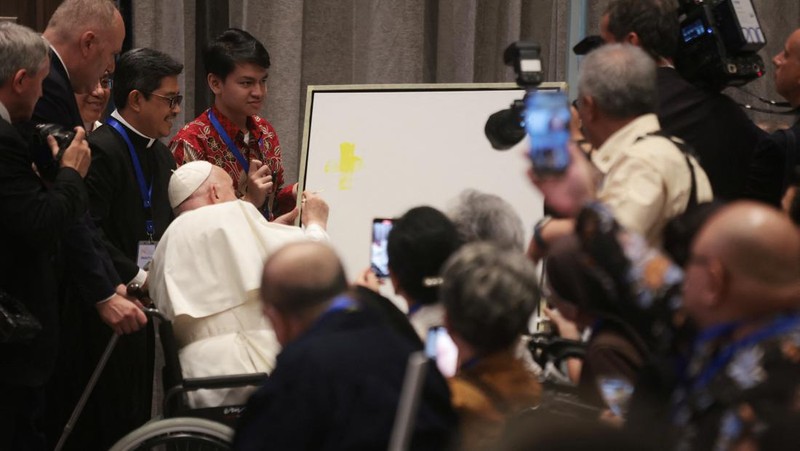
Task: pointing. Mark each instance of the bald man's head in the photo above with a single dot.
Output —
(302, 276)
(745, 261)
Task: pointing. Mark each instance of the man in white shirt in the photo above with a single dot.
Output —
(646, 178)
(206, 274)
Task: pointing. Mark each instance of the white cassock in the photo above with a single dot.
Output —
(205, 277)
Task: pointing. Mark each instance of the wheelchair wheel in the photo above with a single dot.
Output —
(182, 433)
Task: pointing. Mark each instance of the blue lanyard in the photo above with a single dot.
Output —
(145, 190)
(228, 141)
(779, 326)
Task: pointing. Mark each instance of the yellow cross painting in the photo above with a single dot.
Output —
(348, 164)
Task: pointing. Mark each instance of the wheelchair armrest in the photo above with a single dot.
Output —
(227, 381)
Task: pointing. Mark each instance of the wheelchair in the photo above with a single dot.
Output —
(182, 427)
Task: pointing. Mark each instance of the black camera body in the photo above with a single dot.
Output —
(46, 163)
(62, 136)
(17, 324)
(718, 42)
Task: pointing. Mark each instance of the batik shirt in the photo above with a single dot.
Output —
(199, 140)
(727, 402)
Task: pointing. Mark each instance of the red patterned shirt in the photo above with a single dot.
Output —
(199, 140)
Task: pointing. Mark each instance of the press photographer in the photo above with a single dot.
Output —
(646, 178)
(33, 218)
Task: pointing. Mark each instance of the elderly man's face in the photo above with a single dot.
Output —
(787, 70)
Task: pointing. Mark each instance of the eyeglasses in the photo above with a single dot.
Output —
(107, 82)
(575, 104)
(173, 101)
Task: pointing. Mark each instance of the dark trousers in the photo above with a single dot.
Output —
(21, 413)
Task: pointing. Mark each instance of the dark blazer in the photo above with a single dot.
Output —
(772, 166)
(88, 264)
(337, 388)
(58, 104)
(32, 219)
(116, 202)
(721, 134)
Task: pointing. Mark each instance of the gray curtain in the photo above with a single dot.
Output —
(315, 42)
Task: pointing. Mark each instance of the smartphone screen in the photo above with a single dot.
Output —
(547, 125)
(440, 347)
(379, 255)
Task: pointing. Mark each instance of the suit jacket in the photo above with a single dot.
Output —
(116, 202)
(721, 134)
(772, 166)
(32, 219)
(337, 388)
(87, 262)
(58, 104)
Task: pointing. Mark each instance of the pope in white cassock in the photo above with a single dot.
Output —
(206, 273)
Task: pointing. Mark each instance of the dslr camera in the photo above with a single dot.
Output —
(46, 163)
(505, 128)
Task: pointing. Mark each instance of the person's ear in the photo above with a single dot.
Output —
(86, 40)
(633, 39)
(214, 83)
(18, 80)
(718, 282)
(135, 100)
(588, 108)
(213, 195)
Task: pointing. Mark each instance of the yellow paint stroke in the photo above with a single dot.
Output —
(348, 164)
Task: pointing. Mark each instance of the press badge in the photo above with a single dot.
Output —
(144, 254)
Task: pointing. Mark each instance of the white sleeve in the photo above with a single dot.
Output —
(315, 232)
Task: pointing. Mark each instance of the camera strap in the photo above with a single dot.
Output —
(145, 190)
(687, 151)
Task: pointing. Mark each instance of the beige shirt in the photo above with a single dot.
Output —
(646, 182)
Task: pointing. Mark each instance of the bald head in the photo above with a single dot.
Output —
(87, 34)
(301, 277)
(754, 241)
(749, 255)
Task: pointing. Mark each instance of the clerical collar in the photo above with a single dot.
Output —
(122, 121)
(66, 71)
(4, 113)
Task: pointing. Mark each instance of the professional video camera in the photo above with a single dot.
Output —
(504, 128)
(718, 43)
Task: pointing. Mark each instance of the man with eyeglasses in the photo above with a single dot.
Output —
(129, 204)
(230, 134)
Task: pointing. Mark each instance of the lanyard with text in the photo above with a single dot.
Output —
(144, 189)
(228, 141)
(779, 326)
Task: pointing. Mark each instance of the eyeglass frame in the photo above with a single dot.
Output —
(107, 81)
(173, 101)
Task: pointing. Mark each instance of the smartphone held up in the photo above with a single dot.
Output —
(379, 254)
(546, 117)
